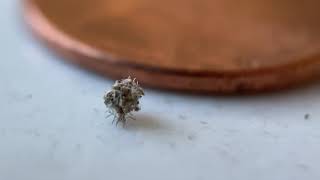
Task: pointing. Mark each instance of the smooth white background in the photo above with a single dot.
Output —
(53, 126)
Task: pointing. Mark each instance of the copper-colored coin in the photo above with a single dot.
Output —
(196, 45)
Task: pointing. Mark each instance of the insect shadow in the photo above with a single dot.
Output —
(147, 122)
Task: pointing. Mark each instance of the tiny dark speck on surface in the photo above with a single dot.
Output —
(168, 101)
(78, 147)
(303, 167)
(29, 96)
(140, 142)
(95, 110)
(203, 122)
(232, 131)
(54, 144)
(307, 116)
(182, 117)
(37, 134)
(172, 145)
(101, 139)
(191, 137)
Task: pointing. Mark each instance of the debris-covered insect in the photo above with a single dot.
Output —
(123, 99)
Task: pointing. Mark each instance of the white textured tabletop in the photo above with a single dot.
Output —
(53, 126)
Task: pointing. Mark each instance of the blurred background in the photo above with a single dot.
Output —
(53, 125)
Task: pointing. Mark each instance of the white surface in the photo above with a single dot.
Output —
(53, 126)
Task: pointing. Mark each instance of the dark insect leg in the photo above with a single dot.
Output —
(131, 117)
(124, 124)
(109, 115)
(114, 118)
(117, 122)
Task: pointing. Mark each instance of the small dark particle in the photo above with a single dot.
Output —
(29, 96)
(203, 122)
(54, 144)
(232, 131)
(306, 116)
(141, 142)
(182, 117)
(95, 110)
(78, 147)
(168, 101)
(303, 167)
(191, 137)
(36, 133)
(172, 145)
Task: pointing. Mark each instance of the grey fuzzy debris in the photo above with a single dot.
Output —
(123, 99)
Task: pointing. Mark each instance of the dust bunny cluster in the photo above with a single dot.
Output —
(123, 99)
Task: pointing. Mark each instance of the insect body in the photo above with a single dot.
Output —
(123, 99)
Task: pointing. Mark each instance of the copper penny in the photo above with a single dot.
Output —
(222, 46)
